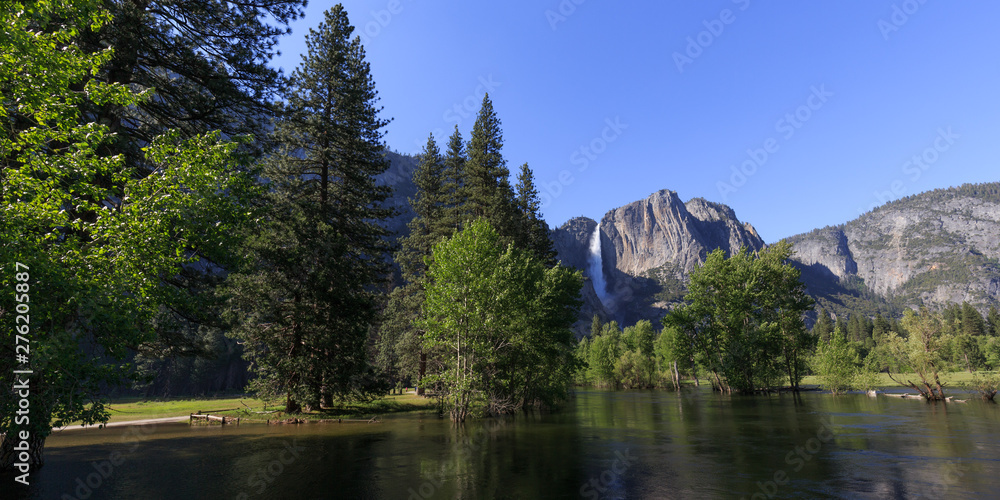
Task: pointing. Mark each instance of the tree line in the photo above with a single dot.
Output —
(925, 343)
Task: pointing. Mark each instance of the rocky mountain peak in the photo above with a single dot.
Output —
(647, 248)
(661, 230)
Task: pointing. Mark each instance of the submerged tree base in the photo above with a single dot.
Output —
(929, 393)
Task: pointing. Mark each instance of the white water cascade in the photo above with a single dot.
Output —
(596, 265)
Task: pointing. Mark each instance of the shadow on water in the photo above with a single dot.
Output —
(603, 444)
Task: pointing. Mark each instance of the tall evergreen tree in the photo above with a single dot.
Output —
(993, 322)
(487, 178)
(841, 323)
(856, 328)
(880, 327)
(399, 344)
(533, 234)
(595, 326)
(428, 225)
(455, 186)
(972, 322)
(308, 298)
(823, 327)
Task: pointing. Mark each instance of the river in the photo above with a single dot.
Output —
(602, 444)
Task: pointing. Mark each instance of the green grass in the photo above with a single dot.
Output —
(950, 379)
(354, 410)
(130, 409)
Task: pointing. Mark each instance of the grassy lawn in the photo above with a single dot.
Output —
(360, 410)
(129, 409)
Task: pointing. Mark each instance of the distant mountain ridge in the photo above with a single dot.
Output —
(931, 248)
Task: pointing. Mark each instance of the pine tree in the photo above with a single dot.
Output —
(595, 326)
(487, 177)
(207, 61)
(308, 298)
(972, 321)
(880, 327)
(455, 186)
(823, 327)
(399, 344)
(993, 321)
(855, 328)
(841, 324)
(428, 225)
(204, 67)
(534, 232)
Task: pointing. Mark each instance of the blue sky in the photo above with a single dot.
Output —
(796, 114)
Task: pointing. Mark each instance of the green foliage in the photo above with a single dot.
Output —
(635, 358)
(452, 191)
(985, 384)
(502, 319)
(673, 353)
(455, 186)
(889, 353)
(836, 363)
(743, 317)
(635, 370)
(104, 243)
(993, 322)
(925, 351)
(639, 337)
(602, 354)
(990, 347)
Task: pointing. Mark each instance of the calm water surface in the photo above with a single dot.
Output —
(602, 445)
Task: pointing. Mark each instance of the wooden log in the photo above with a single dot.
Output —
(209, 418)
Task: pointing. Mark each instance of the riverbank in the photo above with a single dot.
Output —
(954, 380)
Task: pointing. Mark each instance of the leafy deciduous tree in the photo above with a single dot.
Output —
(100, 243)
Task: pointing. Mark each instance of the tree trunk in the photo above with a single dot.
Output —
(421, 371)
(9, 456)
(292, 406)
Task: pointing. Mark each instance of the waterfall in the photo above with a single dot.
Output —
(596, 265)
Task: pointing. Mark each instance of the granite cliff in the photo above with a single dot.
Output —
(932, 248)
(647, 248)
